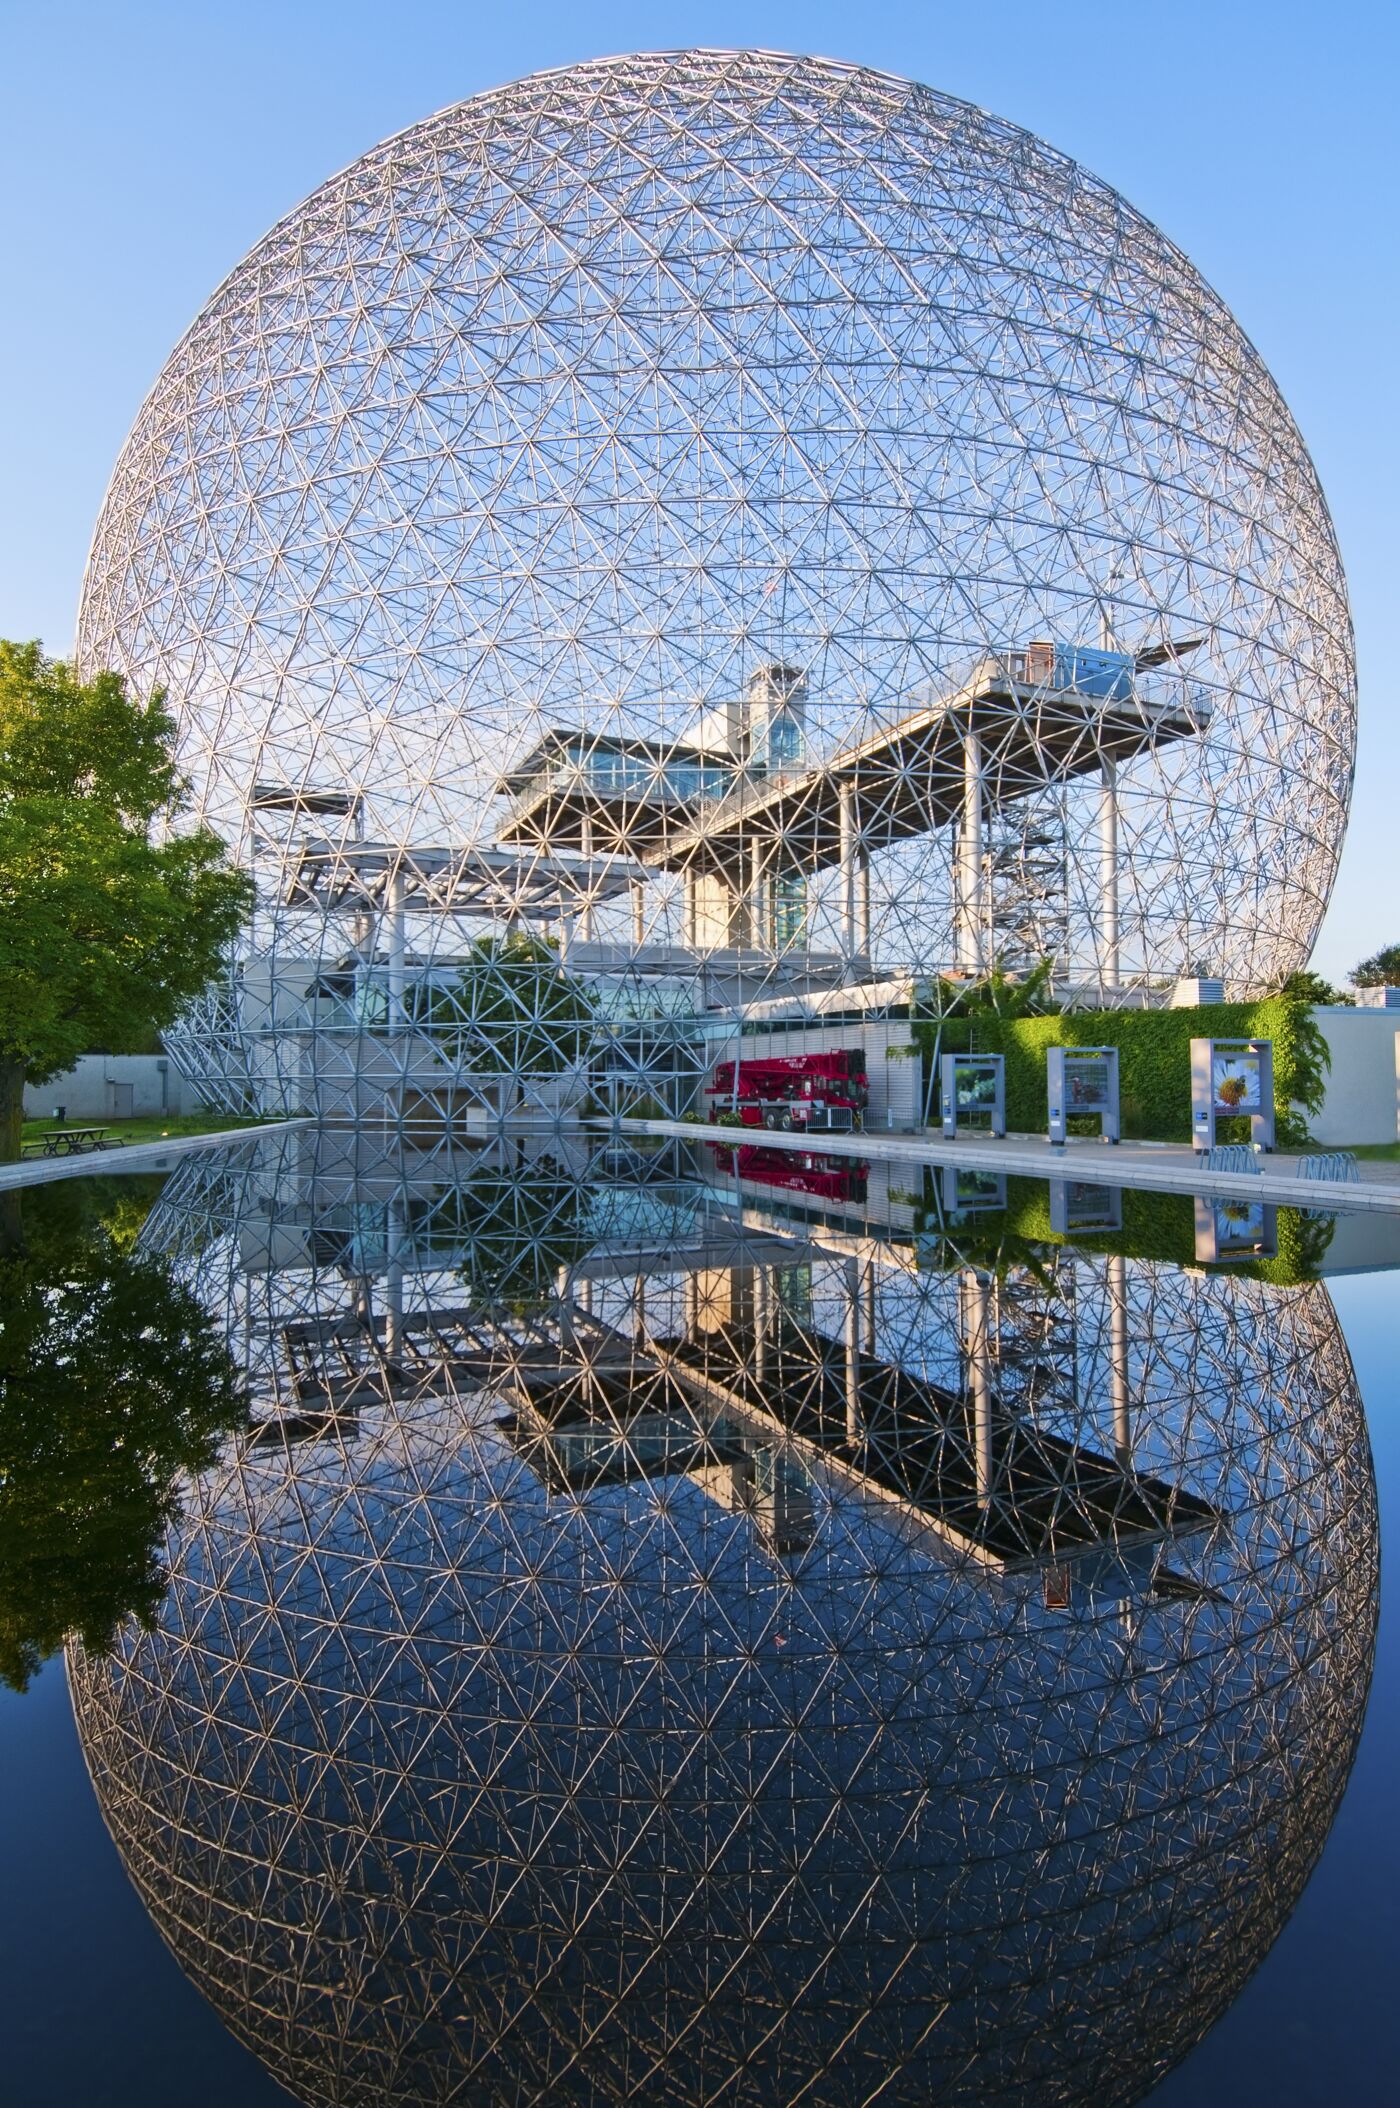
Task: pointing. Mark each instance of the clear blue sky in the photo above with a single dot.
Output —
(146, 146)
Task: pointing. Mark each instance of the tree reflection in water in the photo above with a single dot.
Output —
(760, 1670)
(114, 1381)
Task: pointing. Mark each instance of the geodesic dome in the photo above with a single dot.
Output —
(653, 492)
(507, 1755)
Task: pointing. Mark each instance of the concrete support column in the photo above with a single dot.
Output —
(393, 1283)
(394, 921)
(969, 886)
(586, 917)
(639, 911)
(1117, 1279)
(762, 1319)
(863, 889)
(977, 1346)
(869, 1288)
(1110, 967)
(758, 897)
(850, 858)
(855, 1420)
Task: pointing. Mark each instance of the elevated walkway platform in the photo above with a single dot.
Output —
(978, 1474)
(495, 884)
(674, 808)
(911, 778)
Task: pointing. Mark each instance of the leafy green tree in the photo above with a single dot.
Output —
(515, 1011)
(114, 1381)
(1312, 988)
(105, 933)
(1381, 970)
(997, 994)
(519, 1231)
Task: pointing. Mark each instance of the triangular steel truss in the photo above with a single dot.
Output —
(634, 1656)
(673, 427)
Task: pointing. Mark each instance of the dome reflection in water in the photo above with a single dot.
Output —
(654, 1648)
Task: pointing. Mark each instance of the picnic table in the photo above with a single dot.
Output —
(72, 1141)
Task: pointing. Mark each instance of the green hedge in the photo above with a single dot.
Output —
(1154, 1061)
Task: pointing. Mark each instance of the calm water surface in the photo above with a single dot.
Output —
(667, 1629)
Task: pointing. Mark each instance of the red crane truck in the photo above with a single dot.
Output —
(809, 1093)
(828, 1177)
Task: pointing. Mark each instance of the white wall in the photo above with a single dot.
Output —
(1363, 1244)
(1363, 1084)
(93, 1089)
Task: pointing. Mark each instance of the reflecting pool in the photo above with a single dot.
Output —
(602, 1624)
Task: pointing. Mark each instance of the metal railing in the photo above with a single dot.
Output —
(1337, 1165)
(1232, 1156)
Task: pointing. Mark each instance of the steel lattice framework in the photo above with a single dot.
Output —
(614, 1682)
(759, 522)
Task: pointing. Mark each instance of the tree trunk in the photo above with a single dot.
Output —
(11, 1109)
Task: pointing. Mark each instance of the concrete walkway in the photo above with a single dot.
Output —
(132, 1156)
(1156, 1167)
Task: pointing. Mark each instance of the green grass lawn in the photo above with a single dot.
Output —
(1383, 1152)
(155, 1127)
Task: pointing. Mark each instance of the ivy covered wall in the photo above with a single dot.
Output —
(1154, 1060)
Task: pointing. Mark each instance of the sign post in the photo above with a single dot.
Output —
(1235, 1229)
(970, 1192)
(1082, 1080)
(1232, 1079)
(972, 1087)
(1074, 1206)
